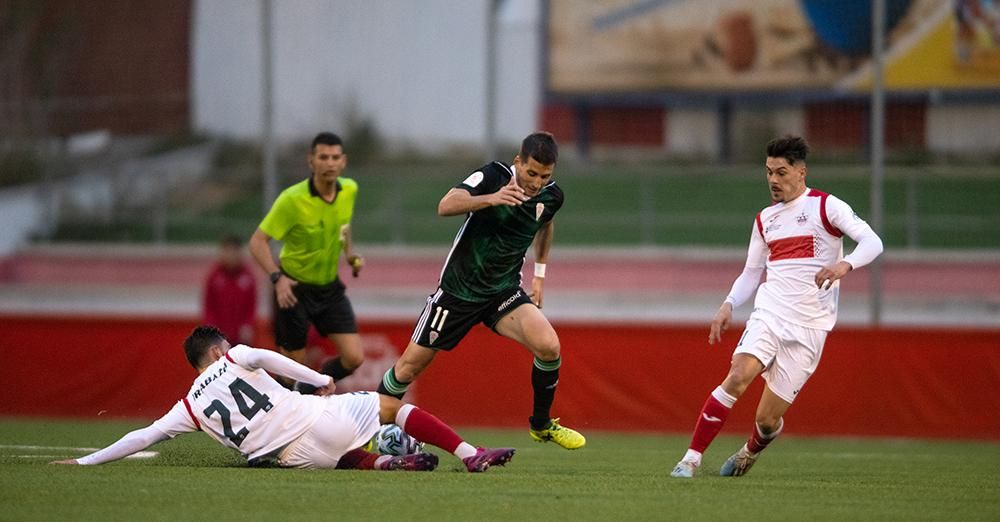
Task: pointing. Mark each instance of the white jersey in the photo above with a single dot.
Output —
(793, 240)
(242, 407)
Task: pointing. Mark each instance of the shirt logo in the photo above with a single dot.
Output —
(539, 208)
(474, 179)
(801, 218)
(433, 336)
(509, 301)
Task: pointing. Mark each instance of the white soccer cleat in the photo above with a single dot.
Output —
(684, 469)
(739, 463)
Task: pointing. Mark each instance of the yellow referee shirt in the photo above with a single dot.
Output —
(310, 229)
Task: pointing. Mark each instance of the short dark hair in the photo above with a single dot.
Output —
(200, 340)
(792, 148)
(541, 146)
(326, 138)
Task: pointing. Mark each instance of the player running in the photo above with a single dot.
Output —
(238, 404)
(799, 240)
(507, 208)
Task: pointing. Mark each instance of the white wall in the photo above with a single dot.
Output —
(963, 128)
(415, 68)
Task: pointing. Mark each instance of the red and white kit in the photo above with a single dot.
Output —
(239, 405)
(793, 240)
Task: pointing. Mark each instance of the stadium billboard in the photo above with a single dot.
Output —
(610, 47)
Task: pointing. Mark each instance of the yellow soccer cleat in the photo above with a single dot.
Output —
(561, 435)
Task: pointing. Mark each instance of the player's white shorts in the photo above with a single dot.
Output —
(789, 352)
(348, 422)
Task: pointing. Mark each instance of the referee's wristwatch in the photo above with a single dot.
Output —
(275, 276)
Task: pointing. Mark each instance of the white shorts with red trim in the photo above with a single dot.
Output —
(348, 422)
(790, 353)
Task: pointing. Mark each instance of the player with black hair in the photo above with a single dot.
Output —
(506, 208)
(236, 403)
(798, 240)
(313, 220)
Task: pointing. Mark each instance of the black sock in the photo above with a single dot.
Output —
(391, 386)
(334, 368)
(544, 378)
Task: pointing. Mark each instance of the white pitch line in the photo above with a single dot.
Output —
(136, 455)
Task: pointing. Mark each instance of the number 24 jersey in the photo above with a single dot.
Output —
(242, 408)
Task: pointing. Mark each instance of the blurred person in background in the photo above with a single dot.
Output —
(229, 296)
(798, 241)
(313, 220)
(506, 208)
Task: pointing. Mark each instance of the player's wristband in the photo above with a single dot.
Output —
(540, 270)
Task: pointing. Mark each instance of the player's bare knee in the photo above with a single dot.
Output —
(768, 423)
(548, 349)
(736, 382)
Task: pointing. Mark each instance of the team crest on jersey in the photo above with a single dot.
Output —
(474, 179)
(801, 218)
(539, 208)
(433, 336)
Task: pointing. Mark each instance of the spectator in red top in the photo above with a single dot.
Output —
(229, 299)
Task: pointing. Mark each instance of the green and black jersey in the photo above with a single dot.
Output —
(488, 252)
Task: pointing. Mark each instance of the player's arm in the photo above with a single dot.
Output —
(260, 250)
(273, 362)
(743, 288)
(869, 243)
(459, 200)
(175, 422)
(543, 243)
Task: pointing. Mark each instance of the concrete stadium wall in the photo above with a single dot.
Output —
(416, 69)
(871, 382)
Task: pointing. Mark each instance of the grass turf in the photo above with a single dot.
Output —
(616, 477)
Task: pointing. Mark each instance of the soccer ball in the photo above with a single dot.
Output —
(392, 440)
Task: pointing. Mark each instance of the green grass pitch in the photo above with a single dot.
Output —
(617, 477)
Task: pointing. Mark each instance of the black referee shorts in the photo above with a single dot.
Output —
(446, 319)
(325, 306)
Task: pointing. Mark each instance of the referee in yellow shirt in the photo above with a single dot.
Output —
(313, 220)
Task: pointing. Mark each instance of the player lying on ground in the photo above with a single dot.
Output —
(799, 240)
(238, 404)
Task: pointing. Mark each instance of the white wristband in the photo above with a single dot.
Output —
(540, 270)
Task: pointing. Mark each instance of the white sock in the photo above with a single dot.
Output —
(465, 450)
(692, 456)
(403, 414)
(723, 397)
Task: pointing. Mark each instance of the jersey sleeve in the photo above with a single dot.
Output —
(176, 421)
(486, 180)
(757, 250)
(847, 221)
(350, 191)
(748, 281)
(132, 442)
(280, 219)
(255, 358)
